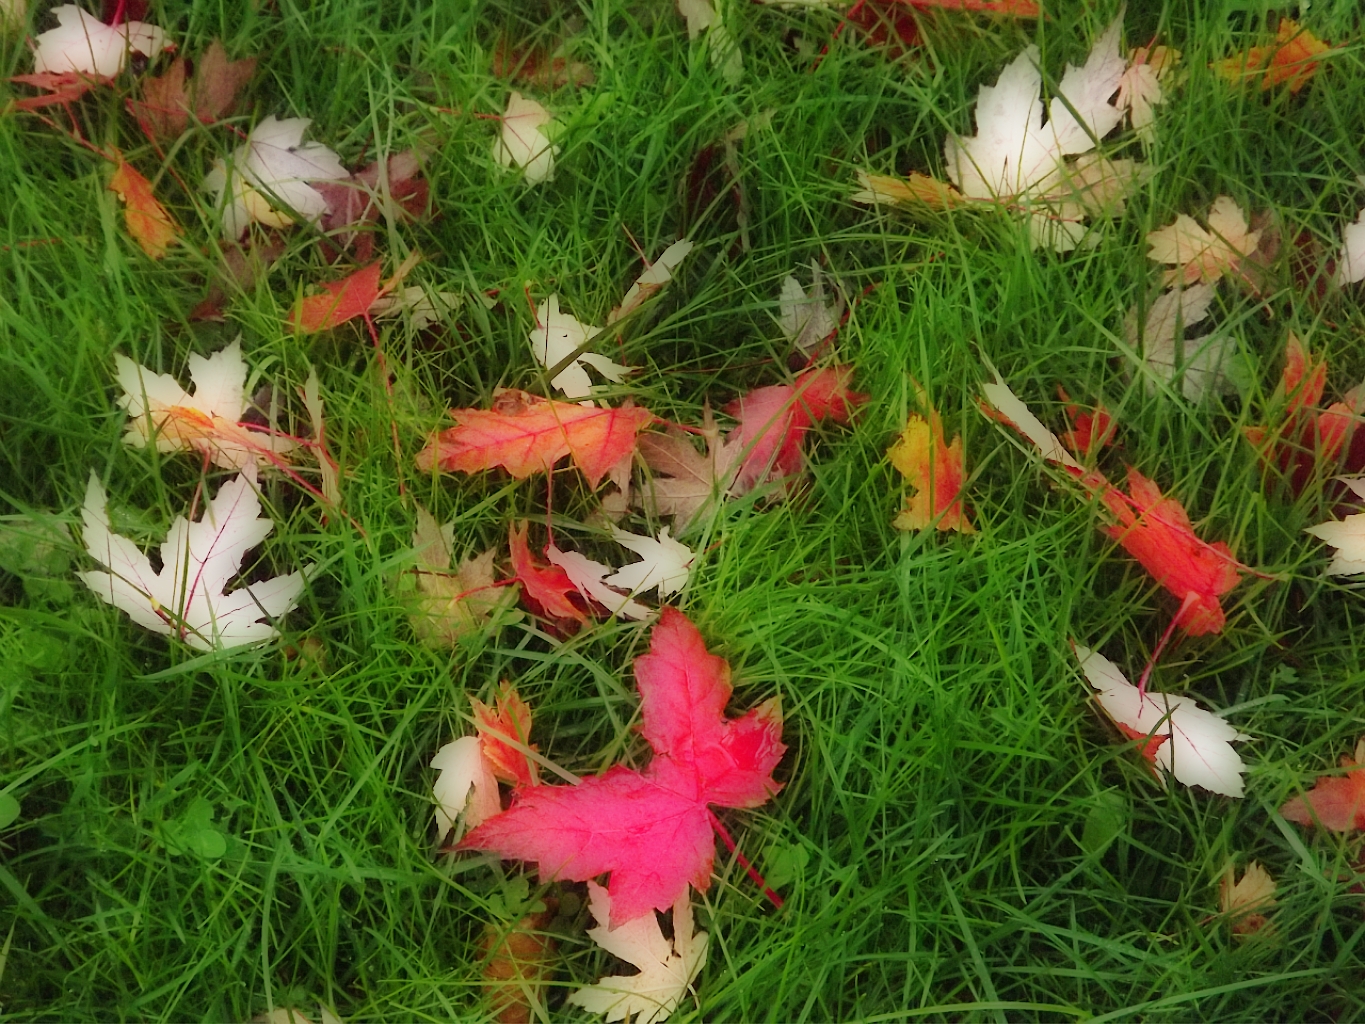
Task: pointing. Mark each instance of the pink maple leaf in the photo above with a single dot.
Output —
(651, 829)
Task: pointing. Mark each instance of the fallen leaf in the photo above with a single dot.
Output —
(665, 564)
(1157, 532)
(648, 284)
(667, 968)
(936, 471)
(446, 606)
(725, 55)
(773, 420)
(1351, 258)
(83, 44)
(1347, 536)
(187, 597)
(807, 320)
(683, 481)
(328, 469)
(1292, 60)
(588, 578)
(268, 178)
(916, 190)
(1140, 87)
(651, 830)
(525, 434)
(547, 589)
(339, 301)
(163, 413)
(423, 308)
(148, 222)
(1200, 255)
(1336, 802)
(1178, 737)
(393, 189)
(61, 89)
(558, 340)
(1090, 431)
(518, 961)
(522, 144)
(1011, 410)
(508, 721)
(465, 790)
(1243, 903)
(536, 67)
(1159, 339)
(169, 101)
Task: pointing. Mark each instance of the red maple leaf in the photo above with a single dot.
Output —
(525, 434)
(774, 419)
(62, 88)
(1157, 532)
(547, 589)
(340, 301)
(1304, 440)
(356, 203)
(651, 829)
(1337, 801)
(1089, 431)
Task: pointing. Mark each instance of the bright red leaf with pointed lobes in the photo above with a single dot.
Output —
(1337, 801)
(150, 226)
(1157, 532)
(548, 588)
(61, 88)
(1090, 431)
(773, 420)
(1305, 440)
(340, 301)
(526, 434)
(508, 719)
(651, 830)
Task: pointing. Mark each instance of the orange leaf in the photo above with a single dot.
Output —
(1337, 801)
(525, 434)
(519, 960)
(936, 471)
(1292, 60)
(340, 301)
(1161, 538)
(1089, 430)
(62, 87)
(148, 222)
(548, 587)
(510, 719)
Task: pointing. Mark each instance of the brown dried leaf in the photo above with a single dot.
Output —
(519, 962)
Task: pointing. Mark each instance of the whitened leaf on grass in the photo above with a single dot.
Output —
(465, 789)
(1245, 900)
(423, 308)
(328, 469)
(522, 143)
(647, 284)
(666, 564)
(1351, 258)
(1140, 87)
(588, 577)
(1203, 255)
(84, 44)
(667, 969)
(807, 319)
(1200, 364)
(267, 178)
(1346, 535)
(188, 597)
(1176, 734)
(1012, 409)
(559, 336)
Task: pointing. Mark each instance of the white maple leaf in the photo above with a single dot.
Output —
(701, 17)
(805, 317)
(188, 597)
(465, 789)
(666, 563)
(1140, 87)
(559, 336)
(667, 969)
(204, 420)
(587, 577)
(1014, 156)
(1200, 364)
(1347, 536)
(84, 44)
(1192, 744)
(422, 307)
(660, 272)
(522, 143)
(267, 178)
(1351, 258)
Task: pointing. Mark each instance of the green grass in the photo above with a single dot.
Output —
(944, 760)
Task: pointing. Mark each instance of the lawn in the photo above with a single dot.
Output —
(961, 834)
